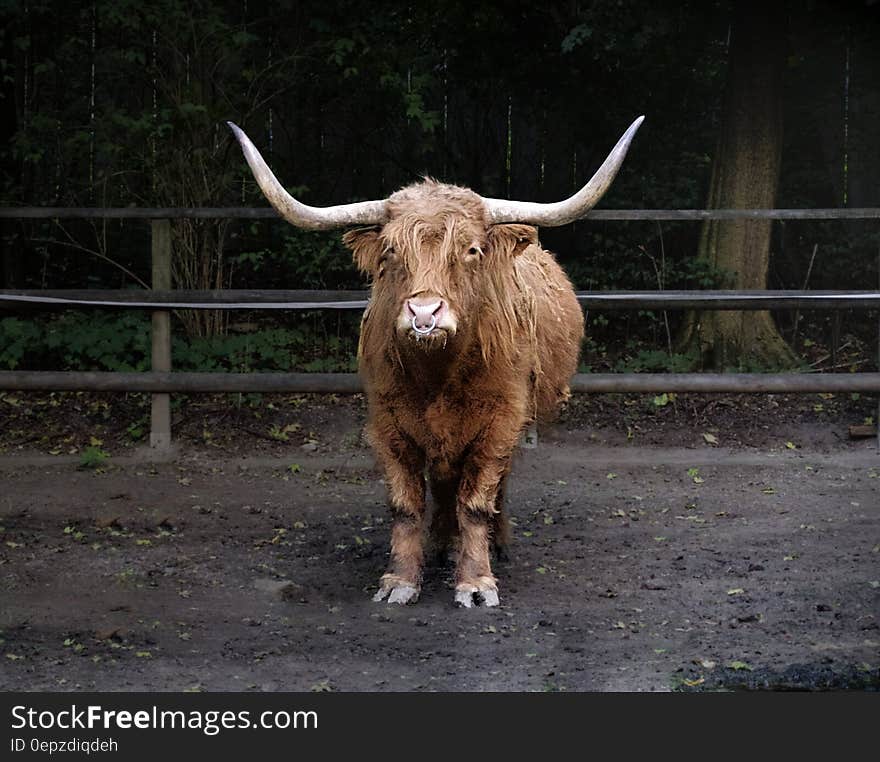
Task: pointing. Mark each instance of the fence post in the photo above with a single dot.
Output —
(160, 414)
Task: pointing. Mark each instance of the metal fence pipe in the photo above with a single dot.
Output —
(242, 299)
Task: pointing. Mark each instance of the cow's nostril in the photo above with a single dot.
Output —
(424, 314)
(417, 307)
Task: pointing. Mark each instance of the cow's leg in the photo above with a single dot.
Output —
(478, 495)
(444, 526)
(501, 524)
(474, 581)
(404, 466)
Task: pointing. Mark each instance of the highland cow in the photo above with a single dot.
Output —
(471, 334)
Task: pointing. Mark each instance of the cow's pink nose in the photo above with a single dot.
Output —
(425, 313)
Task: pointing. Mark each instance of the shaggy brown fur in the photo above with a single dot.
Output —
(453, 404)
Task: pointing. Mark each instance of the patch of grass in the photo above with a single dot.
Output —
(93, 457)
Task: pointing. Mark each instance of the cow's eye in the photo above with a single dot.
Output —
(473, 253)
(383, 262)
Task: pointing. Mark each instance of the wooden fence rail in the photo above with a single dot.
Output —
(267, 213)
(350, 383)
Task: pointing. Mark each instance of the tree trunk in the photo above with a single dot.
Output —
(745, 174)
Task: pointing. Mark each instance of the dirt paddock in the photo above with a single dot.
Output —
(635, 566)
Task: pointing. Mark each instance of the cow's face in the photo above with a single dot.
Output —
(435, 268)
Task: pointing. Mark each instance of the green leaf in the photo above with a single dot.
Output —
(739, 665)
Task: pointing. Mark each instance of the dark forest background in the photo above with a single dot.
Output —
(123, 103)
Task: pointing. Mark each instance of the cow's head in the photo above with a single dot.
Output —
(434, 251)
(436, 263)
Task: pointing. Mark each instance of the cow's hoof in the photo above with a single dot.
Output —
(466, 598)
(398, 594)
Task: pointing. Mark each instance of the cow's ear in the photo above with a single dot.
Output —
(367, 248)
(511, 240)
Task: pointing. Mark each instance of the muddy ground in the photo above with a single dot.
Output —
(711, 543)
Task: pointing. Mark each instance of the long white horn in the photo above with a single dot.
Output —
(563, 212)
(301, 215)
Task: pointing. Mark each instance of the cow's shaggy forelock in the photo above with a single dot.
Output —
(432, 200)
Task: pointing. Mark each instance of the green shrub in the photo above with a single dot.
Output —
(102, 341)
(656, 361)
(17, 338)
(76, 341)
